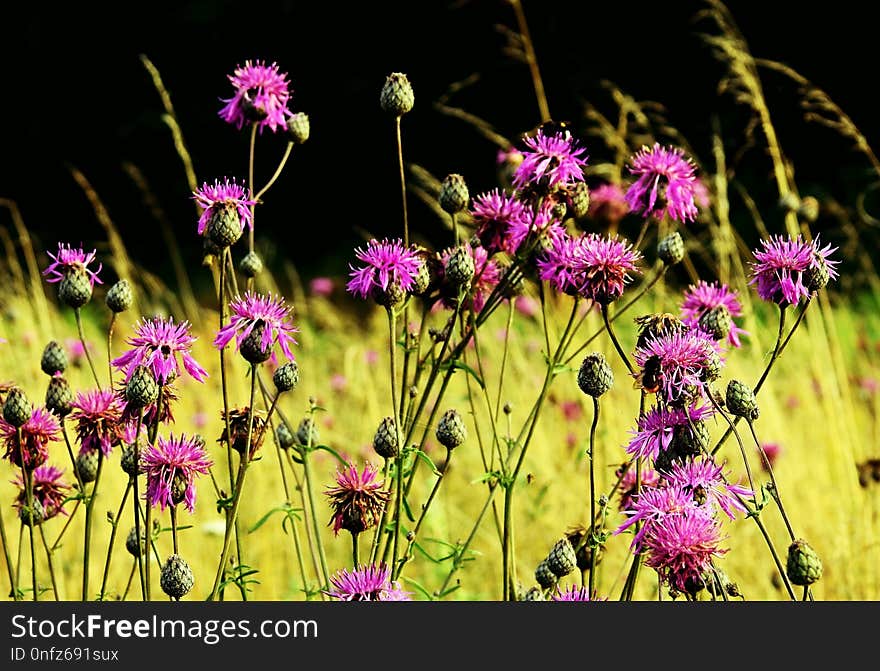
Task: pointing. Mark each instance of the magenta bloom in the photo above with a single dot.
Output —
(40, 428)
(261, 96)
(653, 505)
(493, 213)
(157, 344)
(366, 583)
(680, 361)
(608, 202)
(487, 274)
(387, 262)
(604, 265)
(49, 490)
(68, 260)
(98, 416)
(266, 312)
(657, 427)
(549, 161)
(321, 286)
(703, 297)
(772, 450)
(357, 499)
(681, 547)
(705, 480)
(649, 478)
(560, 265)
(665, 184)
(542, 224)
(171, 465)
(573, 593)
(228, 195)
(779, 271)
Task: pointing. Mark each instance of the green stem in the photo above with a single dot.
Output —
(135, 446)
(594, 548)
(114, 527)
(402, 182)
(13, 581)
(614, 340)
(277, 172)
(355, 559)
(307, 469)
(28, 478)
(110, 348)
(82, 339)
(769, 468)
(90, 504)
(49, 561)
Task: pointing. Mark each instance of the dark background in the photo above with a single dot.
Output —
(76, 93)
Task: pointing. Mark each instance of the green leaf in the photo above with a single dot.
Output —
(336, 454)
(408, 510)
(424, 457)
(285, 508)
(463, 366)
(418, 587)
(448, 591)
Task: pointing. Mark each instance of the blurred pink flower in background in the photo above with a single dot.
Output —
(772, 450)
(526, 306)
(571, 410)
(371, 356)
(321, 286)
(338, 382)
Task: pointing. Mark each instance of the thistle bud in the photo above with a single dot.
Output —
(385, 441)
(717, 322)
(75, 288)
(579, 200)
(298, 128)
(803, 566)
(454, 194)
(671, 249)
(460, 267)
(17, 407)
(740, 400)
(54, 359)
(141, 389)
(224, 228)
(176, 578)
(59, 396)
(397, 95)
(562, 559)
(286, 377)
(251, 264)
(544, 576)
(451, 431)
(595, 376)
(119, 297)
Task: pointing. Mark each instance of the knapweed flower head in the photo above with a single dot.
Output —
(164, 406)
(573, 593)
(654, 504)
(385, 263)
(157, 344)
(358, 499)
(681, 548)
(559, 264)
(49, 490)
(366, 583)
(647, 479)
(487, 274)
(702, 297)
(665, 184)
(541, 225)
(608, 203)
(239, 422)
(780, 266)
(70, 260)
(549, 161)
(216, 198)
(656, 429)
(493, 213)
(171, 466)
(706, 481)
(604, 265)
(261, 96)
(262, 318)
(98, 417)
(41, 428)
(677, 364)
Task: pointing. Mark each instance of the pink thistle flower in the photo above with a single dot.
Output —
(217, 197)
(98, 416)
(338, 382)
(605, 264)
(702, 297)
(773, 452)
(550, 160)
(653, 505)
(266, 313)
(526, 306)
(573, 593)
(357, 499)
(681, 361)
(171, 466)
(781, 264)
(561, 264)
(366, 583)
(321, 286)
(163, 406)
(705, 480)
(665, 184)
(681, 547)
(371, 356)
(76, 351)
(156, 345)
(531, 226)
(36, 433)
(48, 490)
(608, 203)
(487, 274)
(493, 213)
(656, 429)
(69, 260)
(571, 410)
(261, 96)
(387, 262)
(649, 478)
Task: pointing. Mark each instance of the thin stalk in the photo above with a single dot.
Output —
(355, 559)
(137, 509)
(110, 349)
(82, 339)
(402, 182)
(114, 527)
(251, 153)
(48, 561)
(769, 468)
(614, 340)
(134, 566)
(148, 531)
(13, 582)
(28, 479)
(79, 481)
(277, 172)
(307, 469)
(398, 506)
(380, 528)
(90, 504)
(642, 232)
(173, 511)
(594, 549)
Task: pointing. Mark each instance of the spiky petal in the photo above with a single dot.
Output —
(37, 432)
(181, 458)
(665, 184)
(702, 297)
(157, 345)
(357, 499)
(366, 583)
(212, 197)
(780, 264)
(98, 417)
(550, 160)
(70, 259)
(386, 262)
(261, 96)
(270, 313)
(49, 490)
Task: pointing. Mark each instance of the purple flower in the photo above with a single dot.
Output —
(321, 286)
(657, 427)
(604, 265)
(387, 262)
(40, 428)
(357, 499)
(779, 271)
(543, 224)
(665, 184)
(679, 362)
(261, 96)
(681, 547)
(550, 160)
(703, 297)
(705, 480)
(649, 478)
(558, 264)
(48, 490)
(69, 260)
(157, 344)
(366, 583)
(98, 416)
(255, 311)
(171, 465)
(493, 213)
(487, 274)
(573, 593)
(653, 505)
(608, 203)
(227, 196)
